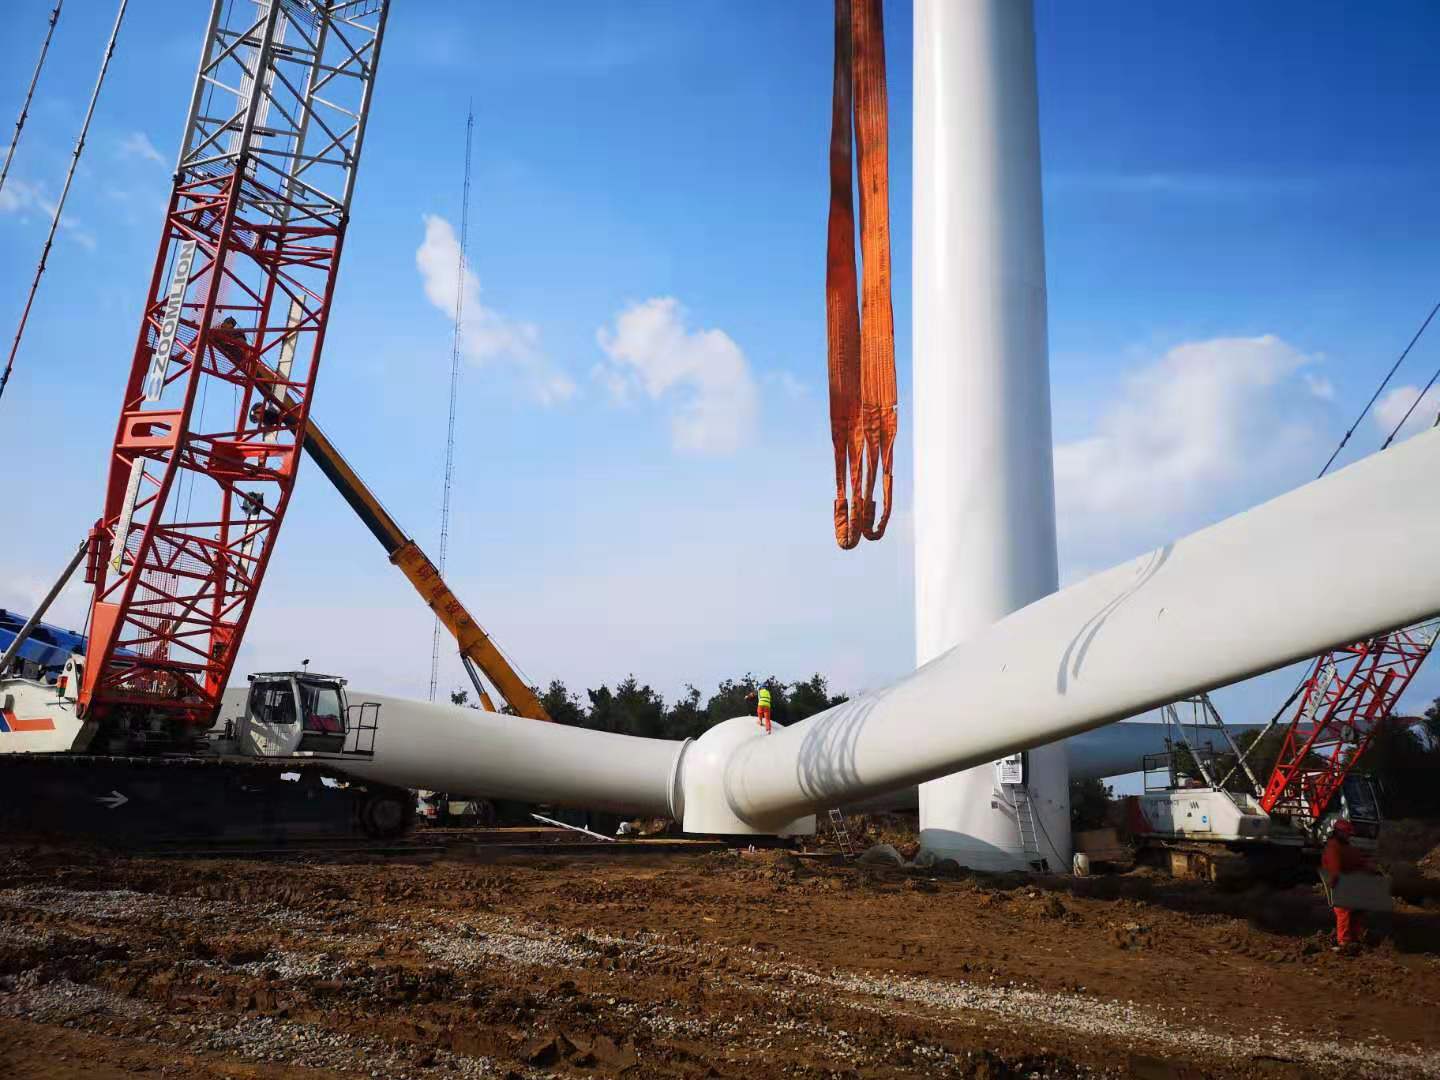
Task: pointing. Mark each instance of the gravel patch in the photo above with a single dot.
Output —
(470, 946)
(1122, 1020)
(17, 936)
(1078, 1014)
(267, 1039)
(60, 1001)
(480, 940)
(522, 945)
(273, 1040)
(126, 905)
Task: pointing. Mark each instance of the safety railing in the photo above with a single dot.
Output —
(361, 723)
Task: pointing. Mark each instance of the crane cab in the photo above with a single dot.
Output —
(1359, 801)
(298, 712)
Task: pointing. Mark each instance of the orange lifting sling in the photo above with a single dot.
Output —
(861, 340)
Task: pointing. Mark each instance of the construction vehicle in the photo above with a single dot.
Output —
(437, 808)
(250, 240)
(1350, 695)
(1202, 819)
(276, 768)
(1201, 830)
(282, 717)
(1212, 833)
(197, 491)
(199, 482)
(250, 222)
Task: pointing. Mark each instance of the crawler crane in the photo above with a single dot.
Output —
(136, 714)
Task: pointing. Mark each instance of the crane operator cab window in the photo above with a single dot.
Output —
(294, 712)
(1358, 801)
(322, 711)
(271, 722)
(274, 704)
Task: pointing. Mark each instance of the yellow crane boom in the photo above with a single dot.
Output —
(475, 644)
(477, 650)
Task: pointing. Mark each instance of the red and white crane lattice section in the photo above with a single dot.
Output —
(218, 397)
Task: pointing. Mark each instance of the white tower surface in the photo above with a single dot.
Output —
(984, 475)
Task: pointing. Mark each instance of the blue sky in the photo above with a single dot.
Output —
(1239, 242)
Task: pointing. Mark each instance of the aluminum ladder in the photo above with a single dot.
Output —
(842, 833)
(1025, 819)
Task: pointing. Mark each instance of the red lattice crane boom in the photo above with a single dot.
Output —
(1350, 693)
(204, 463)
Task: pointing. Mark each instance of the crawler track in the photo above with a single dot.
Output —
(142, 800)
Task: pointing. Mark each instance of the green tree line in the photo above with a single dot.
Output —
(635, 708)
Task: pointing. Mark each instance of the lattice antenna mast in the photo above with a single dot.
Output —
(454, 390)
(29, 94)
(238, 304)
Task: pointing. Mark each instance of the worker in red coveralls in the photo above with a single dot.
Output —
(1342, 857)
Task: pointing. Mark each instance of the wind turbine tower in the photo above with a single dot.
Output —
(984, 476)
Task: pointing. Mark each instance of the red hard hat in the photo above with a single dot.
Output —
(1345, 827)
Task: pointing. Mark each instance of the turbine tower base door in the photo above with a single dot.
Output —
(984, 823)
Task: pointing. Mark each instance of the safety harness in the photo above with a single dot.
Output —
(861, 339)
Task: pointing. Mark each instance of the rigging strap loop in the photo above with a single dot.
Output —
(860, 322)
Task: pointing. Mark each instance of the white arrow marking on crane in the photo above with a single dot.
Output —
(114, 800)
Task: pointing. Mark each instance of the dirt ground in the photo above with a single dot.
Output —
(726, 964)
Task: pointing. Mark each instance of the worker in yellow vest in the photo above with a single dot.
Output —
(762, 710)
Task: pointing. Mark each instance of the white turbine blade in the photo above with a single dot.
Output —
(1335, 561)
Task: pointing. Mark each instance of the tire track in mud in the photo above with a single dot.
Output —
(750, 998)
(1128, 1023)
(112, 916)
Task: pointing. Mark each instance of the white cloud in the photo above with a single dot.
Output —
(787, 384)
(18, 197)
(26, 200)
(1390, 410)
(1209, 428)
(23, 594)
(138, 145)
(703, 374)
(487, 335)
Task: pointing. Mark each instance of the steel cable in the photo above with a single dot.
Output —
(1379, 390)
(64, 193)
(29, 94)
(1413, 406)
